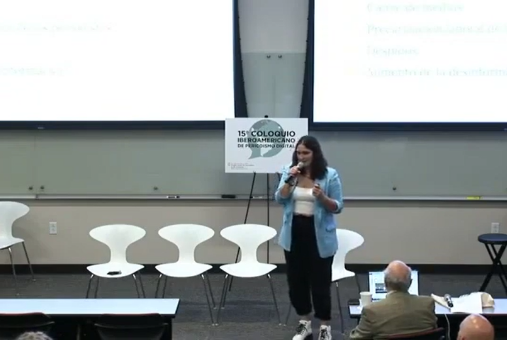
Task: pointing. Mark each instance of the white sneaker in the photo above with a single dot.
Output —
(303, 330)
(325, 333)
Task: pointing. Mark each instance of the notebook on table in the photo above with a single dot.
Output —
(377, 286)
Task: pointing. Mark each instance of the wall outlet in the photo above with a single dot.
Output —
(53, 228)
(495, 227)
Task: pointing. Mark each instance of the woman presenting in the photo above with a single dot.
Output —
(311, 194)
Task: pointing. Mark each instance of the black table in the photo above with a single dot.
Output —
(79, 312)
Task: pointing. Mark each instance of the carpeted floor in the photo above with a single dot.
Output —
(249, 313)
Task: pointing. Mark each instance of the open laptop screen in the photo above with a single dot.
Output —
(378, 288)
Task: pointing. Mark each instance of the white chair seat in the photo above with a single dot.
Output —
(248, 269)
(186, 237)
(179, 269)
(10, 212)
(342, 274)
(118, 238)
(126, 269)
(248, 237)
(6, 242)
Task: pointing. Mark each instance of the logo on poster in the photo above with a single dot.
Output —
(266, 138)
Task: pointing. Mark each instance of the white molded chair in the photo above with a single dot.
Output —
(118, 237)
(9, 213)
(248, 237)
(347, 240)
(186, 237)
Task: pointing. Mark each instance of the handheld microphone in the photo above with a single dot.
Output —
(291, 179)
(448, 300)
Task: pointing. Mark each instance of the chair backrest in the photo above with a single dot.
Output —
(10, 212)
(347, 240)
(186, 237)
(118, 237)
(14, 325)
(133, 327)
(432, 334)
(248, 237)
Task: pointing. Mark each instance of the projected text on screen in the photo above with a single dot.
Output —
(113, 60)
(410, 61)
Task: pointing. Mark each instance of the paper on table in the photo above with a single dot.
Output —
(470, 304)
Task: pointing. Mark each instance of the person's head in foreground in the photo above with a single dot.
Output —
(476, 327)
(309, 152)
(397, 277)
(34, 336)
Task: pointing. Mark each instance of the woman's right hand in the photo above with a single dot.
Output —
(294, 171)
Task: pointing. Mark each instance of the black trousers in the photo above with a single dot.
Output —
(308, 275)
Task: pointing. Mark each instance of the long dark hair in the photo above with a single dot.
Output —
(318, 166)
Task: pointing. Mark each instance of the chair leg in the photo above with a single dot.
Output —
(13, 271)
(238, 252)
(274, 299)
(229, 278)
(143, 293)
(165, 286)
(97, 287)
(210, 290)
(288, 314)
(78, 332)
(28, 261)
(207, 299)
(137, 288)
(358, 284)
(222, 298)
(89, 286)
(158, 285)
(340, 307)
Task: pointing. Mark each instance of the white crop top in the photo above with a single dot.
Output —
(304, 201)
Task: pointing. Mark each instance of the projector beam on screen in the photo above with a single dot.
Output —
(116, 61)
(413, 62)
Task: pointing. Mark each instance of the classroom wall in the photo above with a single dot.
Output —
(416, 232)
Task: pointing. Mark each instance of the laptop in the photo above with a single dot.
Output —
(377, 286)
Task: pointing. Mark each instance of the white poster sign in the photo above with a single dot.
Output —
(261, 145)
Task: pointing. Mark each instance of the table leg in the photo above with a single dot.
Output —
(169, 329)
(496, 257)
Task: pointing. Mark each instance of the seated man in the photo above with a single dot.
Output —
(476, 327)
(399, 312)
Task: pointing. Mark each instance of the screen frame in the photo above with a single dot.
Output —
(414, 288)
(240, 106)
(307, 102)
